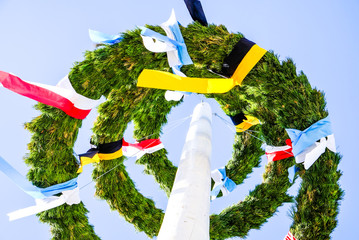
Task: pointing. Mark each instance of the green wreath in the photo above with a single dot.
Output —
(272, 92)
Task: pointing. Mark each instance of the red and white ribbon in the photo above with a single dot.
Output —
(141, 148)
(278, 153)
(289, 236)
(62, 96)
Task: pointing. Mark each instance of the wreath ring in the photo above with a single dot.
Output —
(270, 92)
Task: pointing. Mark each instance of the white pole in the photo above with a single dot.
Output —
(187, 213)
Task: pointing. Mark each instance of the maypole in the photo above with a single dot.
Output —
(187, 214)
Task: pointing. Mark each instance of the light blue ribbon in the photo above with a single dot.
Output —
(226, 183)
(183, 55)
(301, 140)
(182, 49)
(99, 37)
(30, 189)
(291, 173)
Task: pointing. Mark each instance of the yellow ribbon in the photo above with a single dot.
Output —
(97, 157)
(246, 124)
(168, 81)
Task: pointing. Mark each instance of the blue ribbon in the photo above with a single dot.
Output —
(183, 55)
(30, 189)
(301, 140)
(291, 173)
(99, 37)
(195, 9)
(226, 183)
(182, 49)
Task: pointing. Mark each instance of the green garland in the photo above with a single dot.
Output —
(272, 92)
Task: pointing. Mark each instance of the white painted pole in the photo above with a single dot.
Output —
(187, 213)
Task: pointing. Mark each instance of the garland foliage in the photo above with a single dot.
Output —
(272, 92)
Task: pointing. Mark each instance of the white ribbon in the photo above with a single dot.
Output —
(311, 154)
(156, 45)
(70, 197)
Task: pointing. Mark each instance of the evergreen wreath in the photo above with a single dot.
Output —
(272, 92)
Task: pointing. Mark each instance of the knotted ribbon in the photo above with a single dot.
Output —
(278, 153)
(221, 183)
(30, 189)
(312, 153)
(69, 197)
(44, 197)
(305, 146)
(301, 140)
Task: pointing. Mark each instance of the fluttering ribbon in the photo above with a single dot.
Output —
(195, 9)
(301, 140)
(237, 65)
(141, 148)
(106, 151)
(44, 197)
(173, 43)
(221, 183)
(244, 122)
(103, 38)
(305, 146)
(62, 96)
(312, 153)
(291, 173)
(33, 191)
(289, 236)
(278, 153)
(69, 197)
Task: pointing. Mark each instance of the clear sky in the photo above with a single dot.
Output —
(40, 40)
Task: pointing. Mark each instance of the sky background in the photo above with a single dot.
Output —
(40, 41)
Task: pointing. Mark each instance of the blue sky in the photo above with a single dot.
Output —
(40, 40)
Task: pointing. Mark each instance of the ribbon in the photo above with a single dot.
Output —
(103, 38)
(62, 96)
(106, 151)
(173, 44)
(70, 197)
(168, 81)
(289, 236)
(301, 140)
(195, 9)
(243, 58)
(144, 147)
(221, 183)
(174, 95)
(33, 191)
(291, 173)
(244, 122)
(312, 153)
(279, 153)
